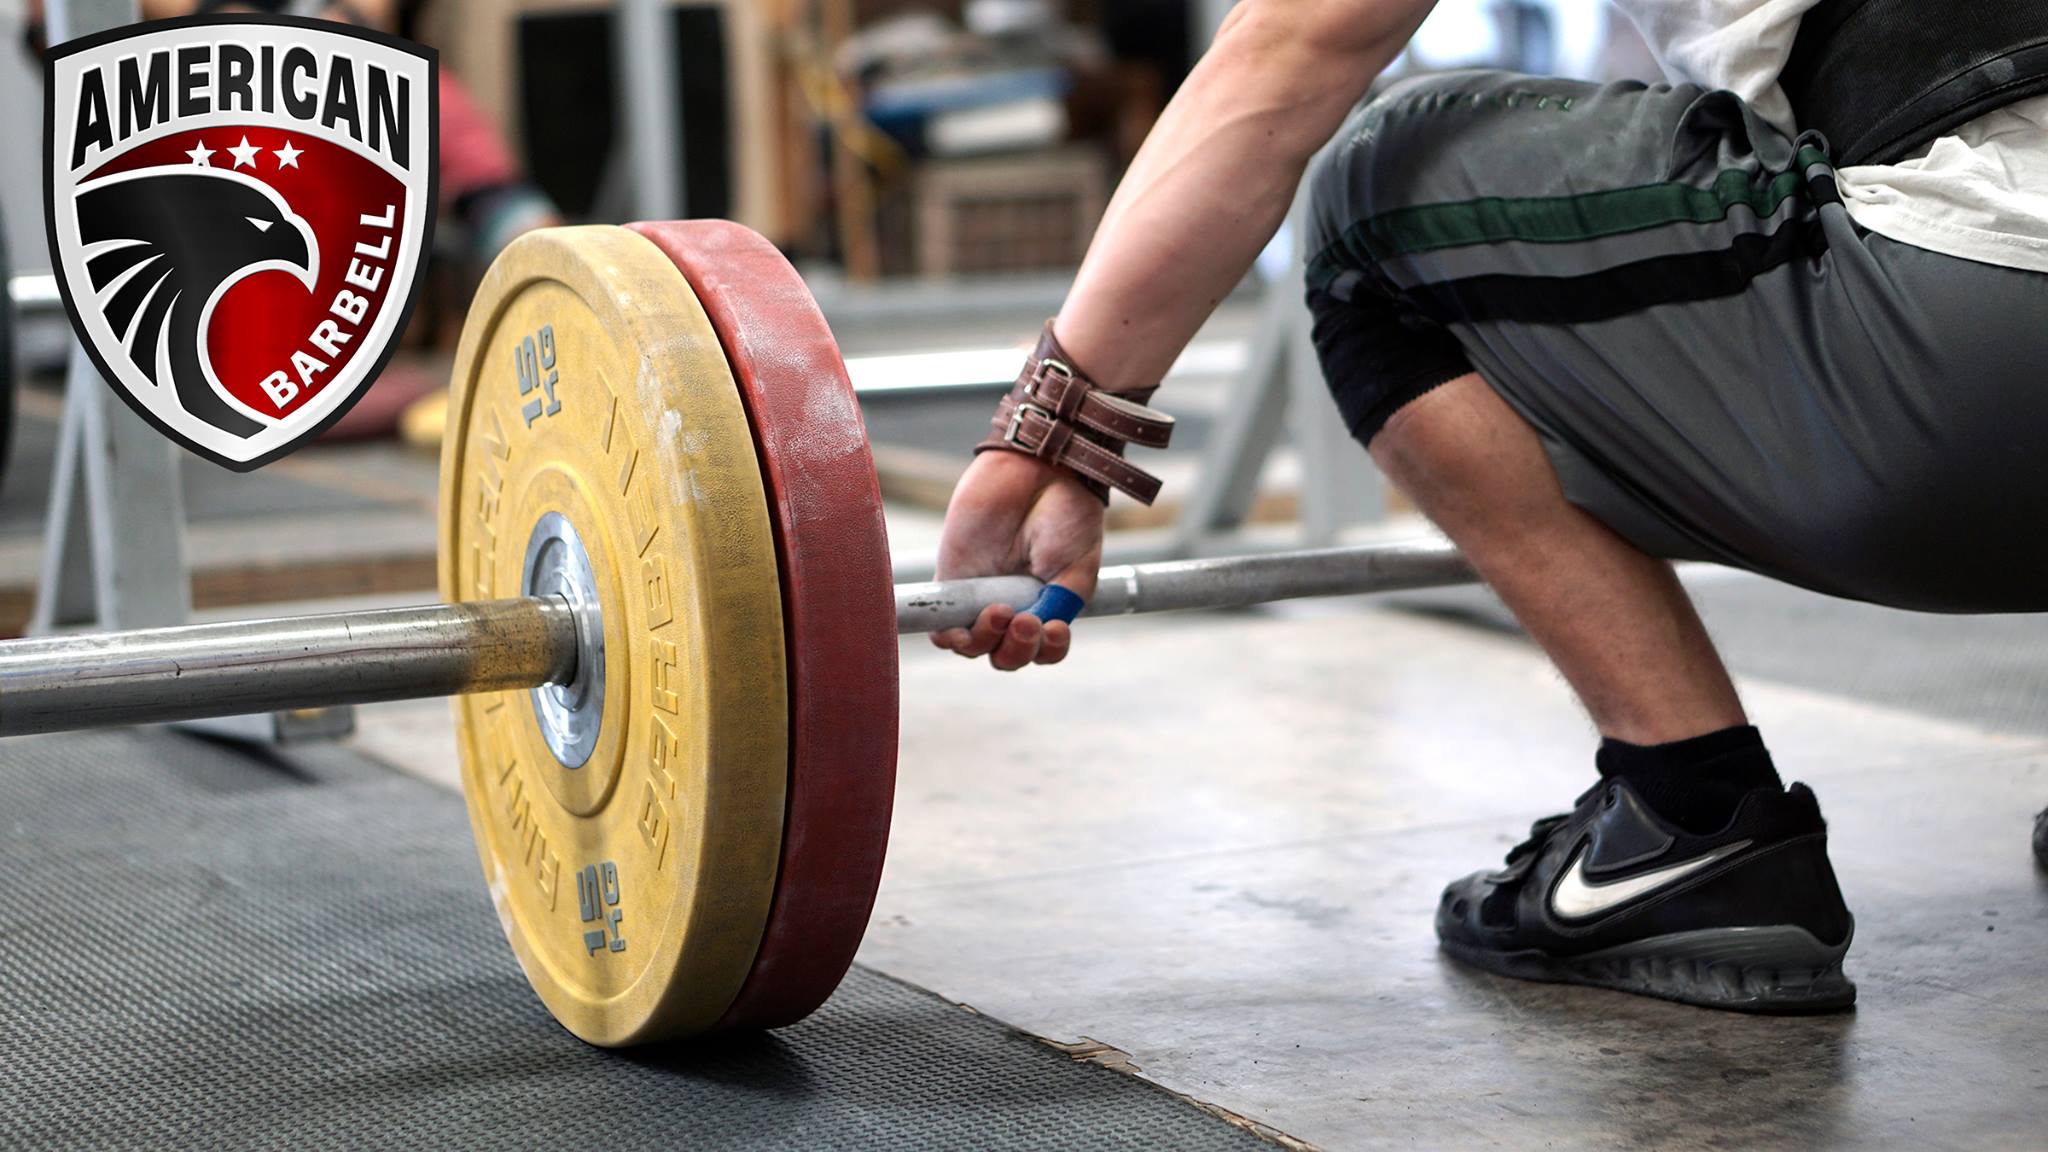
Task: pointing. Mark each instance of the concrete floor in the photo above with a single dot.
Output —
(1230, 877)
(1225, 868)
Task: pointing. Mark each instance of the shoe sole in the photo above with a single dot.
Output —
(1780, 970)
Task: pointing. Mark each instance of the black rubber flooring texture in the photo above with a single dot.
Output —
(207, 947)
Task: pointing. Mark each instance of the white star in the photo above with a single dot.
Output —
(245, 154)
(288, 156)
(199, 155)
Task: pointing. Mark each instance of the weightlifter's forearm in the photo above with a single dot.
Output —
(1217, 173)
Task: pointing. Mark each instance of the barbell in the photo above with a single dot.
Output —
(670, 629)
(195, 671)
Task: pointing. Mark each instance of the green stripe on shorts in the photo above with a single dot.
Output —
(1554, 219)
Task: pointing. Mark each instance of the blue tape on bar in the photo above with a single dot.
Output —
(1056, 603)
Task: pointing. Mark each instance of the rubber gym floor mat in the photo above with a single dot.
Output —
(203, 945)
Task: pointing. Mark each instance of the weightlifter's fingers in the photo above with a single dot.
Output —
(1020, 643)
(950, 638)
(988, 631)
(1080, 576)
(1058, 639)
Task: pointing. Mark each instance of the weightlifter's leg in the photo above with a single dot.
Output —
(1689, 872)
(1615, 621)
(1492, 332)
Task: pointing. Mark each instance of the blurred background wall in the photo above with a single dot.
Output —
(894, 137)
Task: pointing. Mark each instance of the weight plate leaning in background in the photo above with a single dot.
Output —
(839, 610)
(633, 886)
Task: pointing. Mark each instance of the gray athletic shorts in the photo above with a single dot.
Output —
(1721, 365)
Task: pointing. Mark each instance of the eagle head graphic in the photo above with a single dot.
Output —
(162, 244)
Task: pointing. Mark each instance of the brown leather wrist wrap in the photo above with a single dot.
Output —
(1058, 415)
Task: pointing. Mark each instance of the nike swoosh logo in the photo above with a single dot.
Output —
(1575, 899)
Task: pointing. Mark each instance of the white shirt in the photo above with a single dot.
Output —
(1979, 193)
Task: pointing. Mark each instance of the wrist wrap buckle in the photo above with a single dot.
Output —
(1056, 414)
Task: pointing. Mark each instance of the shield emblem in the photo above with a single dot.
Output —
(239, 210)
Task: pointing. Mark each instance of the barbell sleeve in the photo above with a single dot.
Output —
(155, 675)
(148, 676)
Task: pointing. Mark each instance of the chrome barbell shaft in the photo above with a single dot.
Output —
(1223, 582)
(56, 683)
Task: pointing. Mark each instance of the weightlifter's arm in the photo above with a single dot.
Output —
(1205, 193)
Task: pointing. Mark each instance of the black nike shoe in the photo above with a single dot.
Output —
(2041, 838)
(1748, 918)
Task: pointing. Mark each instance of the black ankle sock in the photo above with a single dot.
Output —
(1698, 783)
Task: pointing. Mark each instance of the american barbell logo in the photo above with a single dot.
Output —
(239, 211)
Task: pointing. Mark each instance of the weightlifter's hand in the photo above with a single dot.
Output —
(1013, 514)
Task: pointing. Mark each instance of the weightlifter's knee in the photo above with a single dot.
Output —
(1377, 356)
